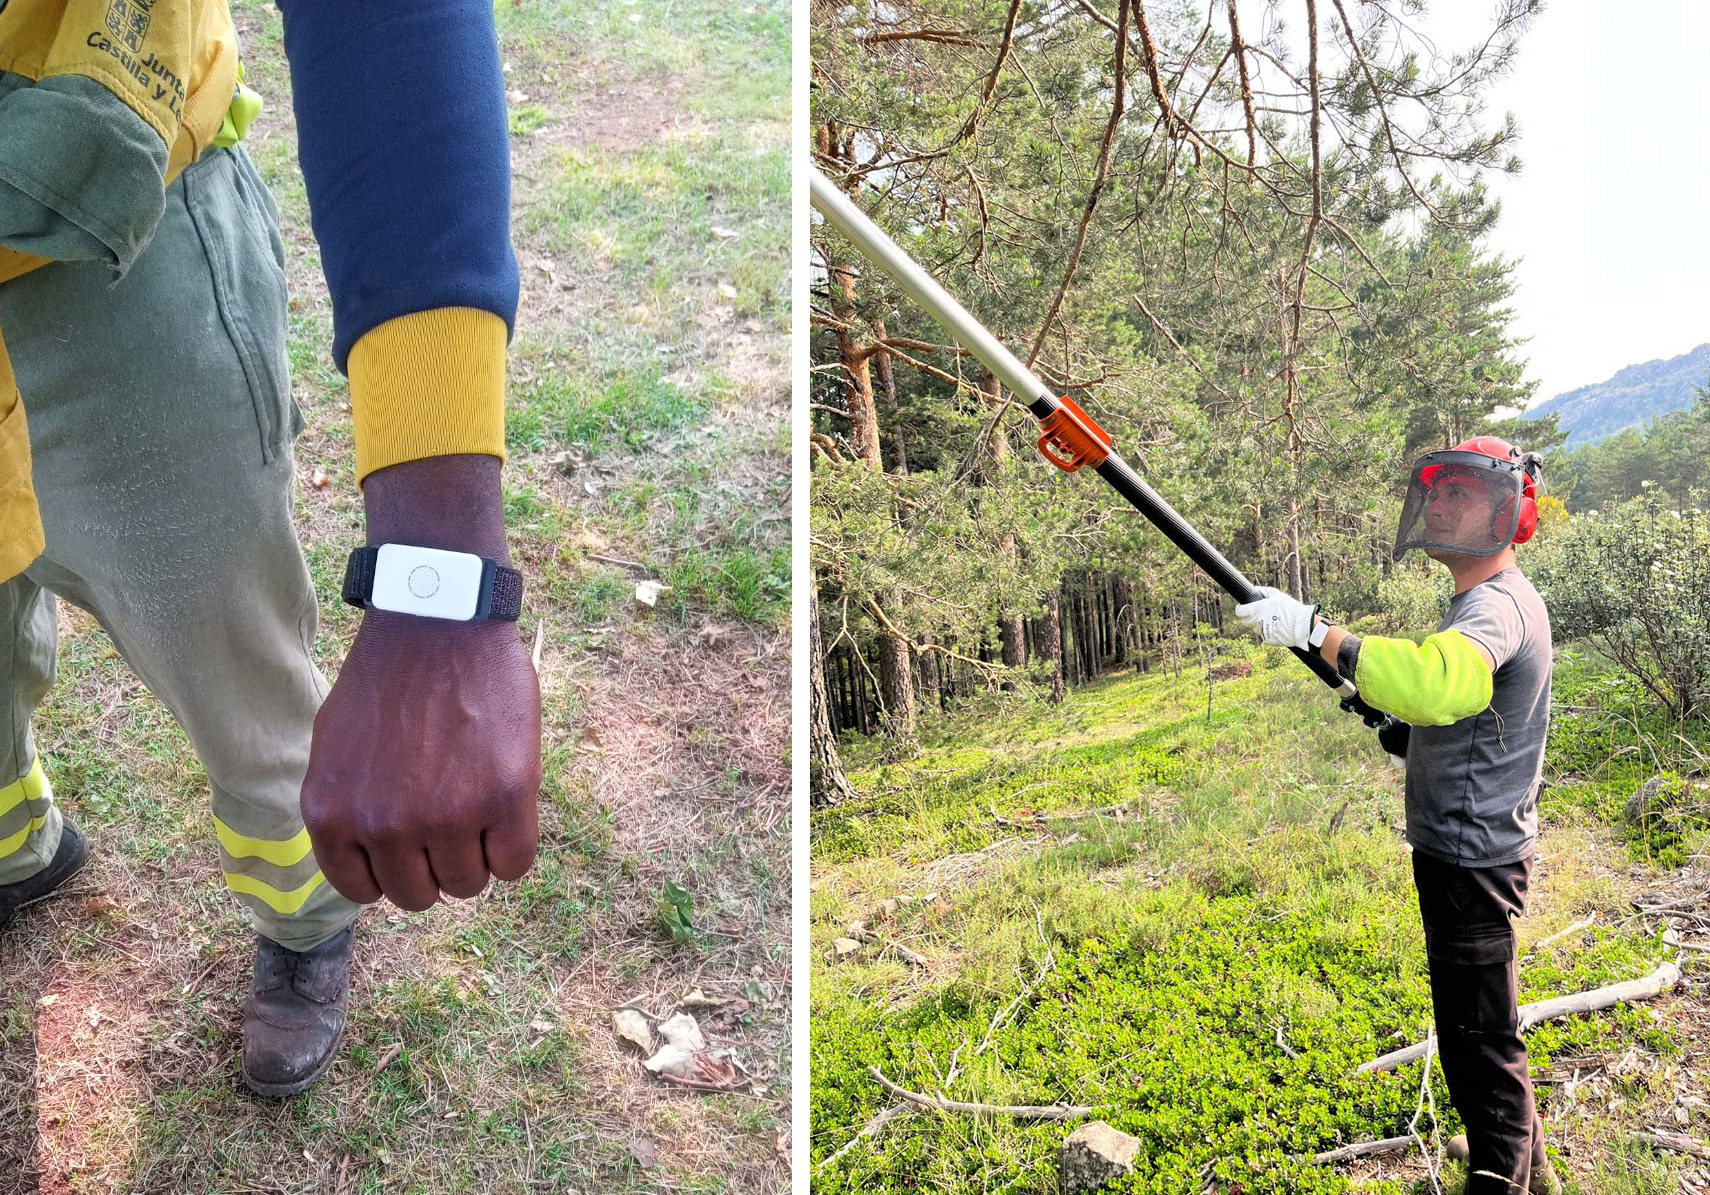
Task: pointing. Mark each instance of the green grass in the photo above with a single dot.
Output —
(1218, 910)
(627, 408)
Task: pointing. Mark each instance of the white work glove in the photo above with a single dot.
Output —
(1278, 619)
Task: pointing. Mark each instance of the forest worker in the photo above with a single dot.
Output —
(143, 313)
(1477, 696)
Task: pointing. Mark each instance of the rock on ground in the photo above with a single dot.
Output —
(1092, 1156)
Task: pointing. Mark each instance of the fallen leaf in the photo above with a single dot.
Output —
(683, 1030)
(103, 907)
(645, 1153)
(671, 1060)
(723, 234)
(319, 478)
(708, 1074)
(633, 1027)
(727, 1015)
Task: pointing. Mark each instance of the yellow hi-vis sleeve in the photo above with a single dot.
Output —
(21, 538)
(429, 384)
(1435, 683)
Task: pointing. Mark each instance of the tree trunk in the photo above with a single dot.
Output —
(854, 352)
(1010, 636)
(929, 687)
(997, 452)
(865, 688)
(1051, 635)
(827, 785)
(898, 689)
(886, 369)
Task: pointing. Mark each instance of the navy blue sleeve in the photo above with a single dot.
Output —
(405, 151)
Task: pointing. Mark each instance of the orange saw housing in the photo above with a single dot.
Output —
(1069, 438)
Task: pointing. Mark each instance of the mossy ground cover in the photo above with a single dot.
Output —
(1216, 916)
(647, 428)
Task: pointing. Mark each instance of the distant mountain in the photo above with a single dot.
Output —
(1631, 398)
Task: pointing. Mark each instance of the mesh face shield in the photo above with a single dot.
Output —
(1463, 502)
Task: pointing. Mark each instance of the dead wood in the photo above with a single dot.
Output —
(1019, 1111)
(1364, 1149)
(1677, 1143)
(1664, 977)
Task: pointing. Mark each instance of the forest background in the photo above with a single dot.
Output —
(1253, 242)
(1253, 257)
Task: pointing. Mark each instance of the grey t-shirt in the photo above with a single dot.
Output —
(1472, 788)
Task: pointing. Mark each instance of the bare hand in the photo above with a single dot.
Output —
(425, 762)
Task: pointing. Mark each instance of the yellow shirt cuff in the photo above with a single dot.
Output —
(429, 384)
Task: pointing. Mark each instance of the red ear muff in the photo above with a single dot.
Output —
(1524, 527)
(1528, 519)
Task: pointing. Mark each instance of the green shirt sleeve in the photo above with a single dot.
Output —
(1435, 683)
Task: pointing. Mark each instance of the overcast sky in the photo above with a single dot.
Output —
(1611, 209)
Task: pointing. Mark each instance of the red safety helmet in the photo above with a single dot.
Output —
(1475, 499)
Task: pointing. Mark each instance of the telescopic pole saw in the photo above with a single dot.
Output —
(1069, 439)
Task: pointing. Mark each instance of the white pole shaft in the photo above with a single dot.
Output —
(874, 245)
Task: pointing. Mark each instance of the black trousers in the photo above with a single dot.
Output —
(1469, 917)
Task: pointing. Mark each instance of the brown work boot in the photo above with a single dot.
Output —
(295, 1015)
(67, 861)
(1544, 1180)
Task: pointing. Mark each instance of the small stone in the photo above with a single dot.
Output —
(1093, 1156)
(1643, 800)
(887, 909)
(845, 947)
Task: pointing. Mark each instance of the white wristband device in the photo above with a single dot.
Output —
(432, 583)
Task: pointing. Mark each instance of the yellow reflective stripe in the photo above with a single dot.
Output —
(281, 854)
(275, 899)
(32, 786)
(11, 846)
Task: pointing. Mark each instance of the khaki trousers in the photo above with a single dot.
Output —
(161, 424)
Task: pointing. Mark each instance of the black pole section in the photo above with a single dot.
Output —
(1125, 481)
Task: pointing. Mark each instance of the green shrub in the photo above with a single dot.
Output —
(1170, 1030)
(1414, 598)
(1635, 580)
(1663, 816)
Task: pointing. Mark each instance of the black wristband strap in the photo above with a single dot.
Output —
(359, 576)
(1348, 656)
(501, 592)
(501, 588)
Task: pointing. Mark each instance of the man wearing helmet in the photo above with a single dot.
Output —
(1476, 695)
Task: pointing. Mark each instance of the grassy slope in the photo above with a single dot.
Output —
(648, 412)
(1184, 935)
